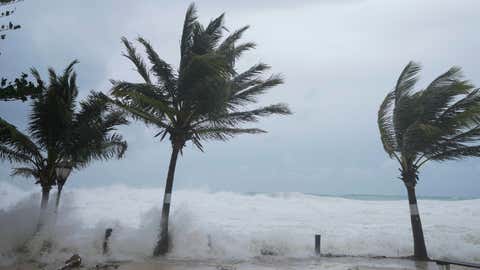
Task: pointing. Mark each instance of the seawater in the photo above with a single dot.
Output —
(228, 225)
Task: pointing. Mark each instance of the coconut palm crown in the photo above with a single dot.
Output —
(438, 123)
(204, 98)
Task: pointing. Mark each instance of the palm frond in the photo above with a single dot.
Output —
(160, 68)
(224, 133)
(457, 153)
(229, 42)
(11, 155)
(442, 92)
(187, 34)
(16, 146)
(137, 113)
(385, 124)
(122, 90)
(249, 77)
(37, 77)
(248, 91)
(25, 172)
(137, 60)
(52, 112)
(214, 30)
(69, 69)
(407, 80)
(141, 98)
(235, 118)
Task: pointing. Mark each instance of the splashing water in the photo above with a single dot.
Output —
(230, 225)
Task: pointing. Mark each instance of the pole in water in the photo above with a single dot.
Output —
(108, 233)
(317, 244)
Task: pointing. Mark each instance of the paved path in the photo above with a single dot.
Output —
(283, 264)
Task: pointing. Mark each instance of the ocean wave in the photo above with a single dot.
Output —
(231, 225)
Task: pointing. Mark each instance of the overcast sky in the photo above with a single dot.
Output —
(339, 58)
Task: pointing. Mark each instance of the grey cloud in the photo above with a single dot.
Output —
(339, 59)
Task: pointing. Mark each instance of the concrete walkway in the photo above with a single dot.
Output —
(283, 264)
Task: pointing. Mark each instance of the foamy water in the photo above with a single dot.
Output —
(227, 225)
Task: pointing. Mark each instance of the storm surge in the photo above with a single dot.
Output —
(226, 225)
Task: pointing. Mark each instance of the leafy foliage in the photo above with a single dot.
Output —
(204, 99)
(440, 122)
(19, 89)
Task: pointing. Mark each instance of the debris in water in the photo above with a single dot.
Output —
(268, 252)
(106, 266)
(225, 267)
(74, 262)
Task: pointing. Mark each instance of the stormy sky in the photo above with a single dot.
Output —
(339, 58)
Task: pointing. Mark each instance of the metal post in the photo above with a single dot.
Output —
(108, 233)
(317, 244)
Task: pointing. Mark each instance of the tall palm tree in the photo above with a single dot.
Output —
(58, 133)
(200, 100)
(438, 123)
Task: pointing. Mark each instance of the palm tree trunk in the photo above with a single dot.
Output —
(162, 244)
(43, 207)
(59, 193)
(420, 250)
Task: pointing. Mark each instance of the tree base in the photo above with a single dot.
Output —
(421, 258)
(161, 248)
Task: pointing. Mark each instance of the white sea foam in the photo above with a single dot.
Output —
(234, 226)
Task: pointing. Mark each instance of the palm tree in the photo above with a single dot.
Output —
(59, 134)
(438, 123)
(201, 100)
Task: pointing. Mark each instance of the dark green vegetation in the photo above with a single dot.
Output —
(438, 123)
(61, 133)
(19, 89)
(203, 99)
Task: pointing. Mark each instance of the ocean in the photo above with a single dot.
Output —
(236, 226)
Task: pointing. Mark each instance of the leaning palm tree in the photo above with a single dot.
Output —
(58, 133)
(438, 123)
(200, 100)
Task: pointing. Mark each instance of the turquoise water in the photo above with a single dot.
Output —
(376, 197)
(368, 197)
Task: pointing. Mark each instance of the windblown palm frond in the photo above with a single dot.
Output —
(187, 35)
(163, 71)
(25, 172)
(137, 60)
(52, 112)
(93, 132)
(16, 146)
